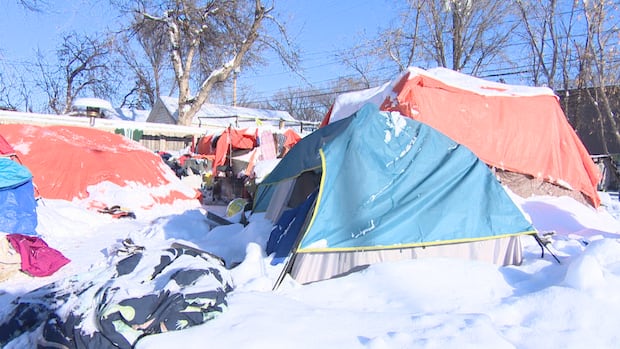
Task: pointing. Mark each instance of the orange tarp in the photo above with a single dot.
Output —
(66, 160)
(519, 132)
(291, 138)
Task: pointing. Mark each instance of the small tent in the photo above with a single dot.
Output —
(520, 131)
(70, 162)
(18, 205)
(378, 186)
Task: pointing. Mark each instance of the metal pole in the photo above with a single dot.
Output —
(234, 89)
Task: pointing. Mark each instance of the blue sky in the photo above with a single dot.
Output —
(321, 27)
(326, 26)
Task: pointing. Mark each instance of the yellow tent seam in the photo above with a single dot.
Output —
(319, 195)
(403, 246)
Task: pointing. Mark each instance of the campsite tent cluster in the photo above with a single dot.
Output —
(414, 179)
(73, 164)
(233, 154)
(409, 169)
(185, 286)
(241, 149)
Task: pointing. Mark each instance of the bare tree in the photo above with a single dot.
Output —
(83, 67)
(599, 66)
(568, 57)
(14, 91)
(33, 5)
(6, 97)
(145, 65)
(362, 59)
(50, 82)
(463, 35)
(311, 104)
(24, 92)
(209, 40)
(391, 49)
(302, 103)
(539, 22)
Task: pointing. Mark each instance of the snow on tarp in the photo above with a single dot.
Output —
(69, 163)
(515, 128)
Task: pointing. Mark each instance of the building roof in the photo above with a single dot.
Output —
(224, 115)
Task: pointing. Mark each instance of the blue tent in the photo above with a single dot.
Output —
(388, 185)
(17, 202)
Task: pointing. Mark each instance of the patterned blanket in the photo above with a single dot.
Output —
(145, 293)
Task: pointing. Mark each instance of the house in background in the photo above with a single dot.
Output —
(101, 108)
(583, 116)
(165, 111)
(597, 136)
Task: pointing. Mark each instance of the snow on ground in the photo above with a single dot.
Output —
(431, 303)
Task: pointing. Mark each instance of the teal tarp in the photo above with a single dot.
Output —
(390, 181)
(12, 174)
(304, 156)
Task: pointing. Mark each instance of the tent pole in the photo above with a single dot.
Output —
(287, 269)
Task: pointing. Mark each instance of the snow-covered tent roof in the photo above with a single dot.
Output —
(514, 128)
(378, 183)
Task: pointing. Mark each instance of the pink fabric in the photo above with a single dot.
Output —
(38, 259)
(267, 146)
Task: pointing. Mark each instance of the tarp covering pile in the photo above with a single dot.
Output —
(520, 129)
(386, 183)
(67, 160)
(145, 293)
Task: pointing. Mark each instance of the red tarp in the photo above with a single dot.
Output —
(65, 160)
(519, 129)
(204, 146)
(233, 138)
(240, 139)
